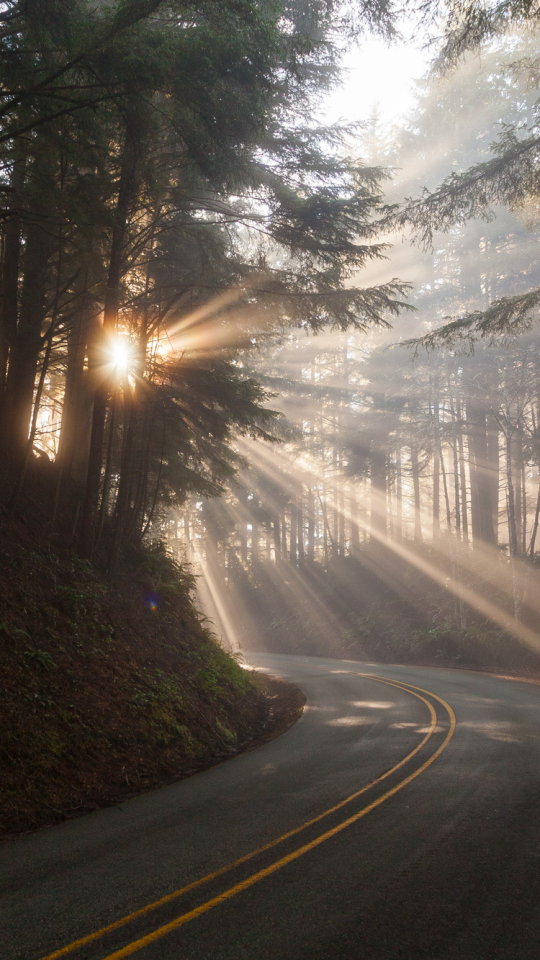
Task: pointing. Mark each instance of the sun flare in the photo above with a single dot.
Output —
(121, 355)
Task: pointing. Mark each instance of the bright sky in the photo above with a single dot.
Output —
(377, 75)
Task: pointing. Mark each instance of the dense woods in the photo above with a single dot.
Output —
(168, 197)
(165, 200)
(422, 441)
(195, 339)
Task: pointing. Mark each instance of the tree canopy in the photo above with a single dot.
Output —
(165, 183)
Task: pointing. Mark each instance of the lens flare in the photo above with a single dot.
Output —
(152, 601)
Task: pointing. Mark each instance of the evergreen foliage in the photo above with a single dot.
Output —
(162, 183)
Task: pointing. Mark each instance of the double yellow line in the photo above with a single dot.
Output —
(180, 921)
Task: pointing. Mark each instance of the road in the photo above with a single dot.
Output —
(386, 834)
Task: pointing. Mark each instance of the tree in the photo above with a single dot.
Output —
(508, 178)
(178, 166)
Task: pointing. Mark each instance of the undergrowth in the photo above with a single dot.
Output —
(109, 687)
(375, 607)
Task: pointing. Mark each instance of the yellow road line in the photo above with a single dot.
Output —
(446, 705)
(82, 941)
(278, 864)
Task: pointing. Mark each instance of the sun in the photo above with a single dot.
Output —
(119, 356)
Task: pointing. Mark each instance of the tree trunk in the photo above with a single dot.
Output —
(493, 477)
(104, 506)
(294, 526)
(445, 489)
(355, 535)
(123, 499)
(341, 514)
(335, 524)
(436, 517)
(26, 348)
(30, 442)
(10, 272)
(457, 513)
(399, 497)
(416, 487)
(378, 494)
(277, 538)
(512, 532)
(110, 317)
(254, 540)
(311, 526)
(463, 481)
(300, 533)
(535, 522)
(524, 503)
(187, 535)
(76, 423)
(484, 472)
(243, 539)
(517, 447)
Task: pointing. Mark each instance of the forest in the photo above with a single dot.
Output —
(302, 356)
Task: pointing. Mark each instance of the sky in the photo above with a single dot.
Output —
(378, 75)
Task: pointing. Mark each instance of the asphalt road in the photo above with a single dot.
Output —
(436, 856)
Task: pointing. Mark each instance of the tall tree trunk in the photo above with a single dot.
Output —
(463, 480)
(326, 528)
(311, 526)
(335, 524)
(445, 490)
(457, 512)
(517, 446)
(300, 532)
(416, 488)
(104, 506)
(30, 442)
(143, 437)
(378, 493)
(76, 423)
(524, 502)
(26, 348)
(389, 507)
(254, 539)
(355, 535)
(277, 538)
(512, 532)
(9, 308)
(535, 522)
(125, 484)
(187, 535)
(493, 477)
(243, 541)
(110, 316)
(483, 470)
(341, 514)
(436, 516)
(399, 497)
(294, 527)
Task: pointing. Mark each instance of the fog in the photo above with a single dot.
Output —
(397, 518)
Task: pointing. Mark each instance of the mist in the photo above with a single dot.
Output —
(396, 519)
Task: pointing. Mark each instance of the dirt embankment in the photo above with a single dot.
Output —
(112, 688)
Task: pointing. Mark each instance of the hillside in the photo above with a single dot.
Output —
(111, 688)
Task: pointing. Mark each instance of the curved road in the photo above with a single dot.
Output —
(371, 829)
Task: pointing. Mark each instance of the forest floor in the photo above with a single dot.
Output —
(112, 687)
(377, 608)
